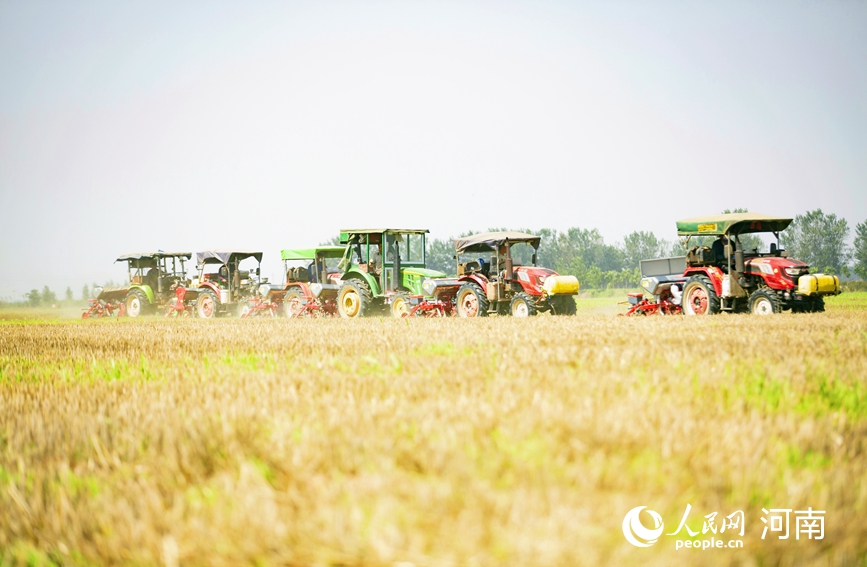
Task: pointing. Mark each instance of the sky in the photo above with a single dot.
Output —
(137, 126)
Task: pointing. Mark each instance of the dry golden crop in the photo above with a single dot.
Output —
(429, 442)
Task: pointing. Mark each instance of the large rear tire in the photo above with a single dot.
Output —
(136, 303)
(523, 305)
(763, 302)
(563, 305)
(354, 299)
(699, 297)
(207, 304)
(471, 301)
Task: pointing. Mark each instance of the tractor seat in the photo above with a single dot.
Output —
(472, 267)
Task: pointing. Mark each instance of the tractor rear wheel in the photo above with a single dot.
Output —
(523, 305)
(763, 302)
(471, 301)
(563, 305)
(293, 303)
(400, 305)
(699, 297)
(354, 299)
(136, 303)
(206, 304)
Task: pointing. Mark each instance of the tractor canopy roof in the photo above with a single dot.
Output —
(734, 223)
(310, 253)
(225, 256)
(493, 240)
(154, 255)
(346, 233)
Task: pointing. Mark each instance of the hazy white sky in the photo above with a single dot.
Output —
(137, 126)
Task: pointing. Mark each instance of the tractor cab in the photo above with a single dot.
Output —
(312, 265)
(725, 277)
(499, 274)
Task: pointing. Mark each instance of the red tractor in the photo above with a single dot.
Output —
(312, 281)
(510, 283)
(225, 286)
(728, 278)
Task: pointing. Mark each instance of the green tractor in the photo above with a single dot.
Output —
(153, 277)
(383, 271)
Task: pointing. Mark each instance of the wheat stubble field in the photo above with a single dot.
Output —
(428, 442)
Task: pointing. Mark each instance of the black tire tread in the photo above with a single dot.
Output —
(365, 296)
(713, 303)
(484, 304)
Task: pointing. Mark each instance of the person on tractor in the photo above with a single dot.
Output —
(484, 267)
(151, 278)
(719, 251)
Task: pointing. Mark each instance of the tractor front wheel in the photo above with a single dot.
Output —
(523, 305)
(471, 301)
(400, 305)
(206, 305)
(699, 297)
(817, 305)
(136, 303)
(563, 305)
(763, 302)
(354, 299)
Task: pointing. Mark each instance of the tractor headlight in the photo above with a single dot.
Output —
(316, 289)
(793, 271)
(429, 286)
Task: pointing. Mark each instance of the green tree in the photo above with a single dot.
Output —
(819, 239)
(48, 296)
(639, 246)
(34, 298)
(69, 294)
(85, 293)
(860, 250)
(440, 255)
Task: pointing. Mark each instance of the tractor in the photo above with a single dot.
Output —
(312, 281)
(223, 285)
(153, 278)
(503, 285)
(383, 271)
(729, 278)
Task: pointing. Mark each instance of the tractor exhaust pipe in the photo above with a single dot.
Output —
(396, 266)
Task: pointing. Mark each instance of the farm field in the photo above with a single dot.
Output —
(430, 442)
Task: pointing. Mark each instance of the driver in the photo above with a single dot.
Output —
(718, 248)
